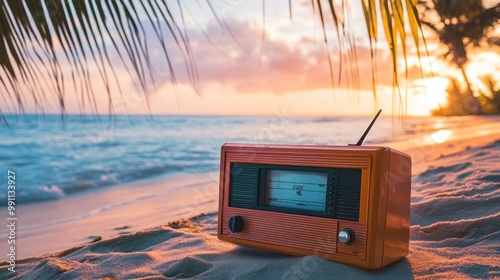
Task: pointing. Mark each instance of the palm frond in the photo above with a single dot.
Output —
(396, 16)
(37, 36)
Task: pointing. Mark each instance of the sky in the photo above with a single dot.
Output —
(251, 64)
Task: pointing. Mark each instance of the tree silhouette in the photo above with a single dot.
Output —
(459, 25)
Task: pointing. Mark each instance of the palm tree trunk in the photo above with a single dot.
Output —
(471, 103)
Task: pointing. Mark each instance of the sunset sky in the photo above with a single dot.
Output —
(282, 70)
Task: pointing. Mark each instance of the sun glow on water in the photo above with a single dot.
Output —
(441, 136)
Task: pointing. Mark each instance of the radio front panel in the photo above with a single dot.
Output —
(312, 191)
(314, 234)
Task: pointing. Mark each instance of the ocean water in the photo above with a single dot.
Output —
(53, 158)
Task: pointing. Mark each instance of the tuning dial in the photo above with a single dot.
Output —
(236, 224)
(346, 236)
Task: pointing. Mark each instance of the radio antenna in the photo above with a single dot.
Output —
(367, 130)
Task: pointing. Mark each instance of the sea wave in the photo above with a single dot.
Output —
(53, 160)
(93, 179)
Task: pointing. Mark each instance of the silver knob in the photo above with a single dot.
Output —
(346, 236)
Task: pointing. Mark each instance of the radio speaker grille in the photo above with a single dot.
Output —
(348, 192)
(244, 185)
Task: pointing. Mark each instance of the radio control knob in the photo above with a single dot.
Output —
(346, 236)
(236, 224)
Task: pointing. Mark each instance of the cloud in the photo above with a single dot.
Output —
(240, 57)
(232, 58)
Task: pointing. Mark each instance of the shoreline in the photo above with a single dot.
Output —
(110, 212)
(413, 134)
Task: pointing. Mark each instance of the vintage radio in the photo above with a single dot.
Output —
(349, 204)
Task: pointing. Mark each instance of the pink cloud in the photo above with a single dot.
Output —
(284, 66)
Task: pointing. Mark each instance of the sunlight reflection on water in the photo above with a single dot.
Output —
(441, 136)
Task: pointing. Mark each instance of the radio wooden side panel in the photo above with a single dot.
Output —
(397, 234)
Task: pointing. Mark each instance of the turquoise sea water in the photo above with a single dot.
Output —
(54, 158)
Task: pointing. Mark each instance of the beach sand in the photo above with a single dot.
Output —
(143, 232)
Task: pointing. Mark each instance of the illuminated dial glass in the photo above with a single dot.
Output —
(296, 189)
